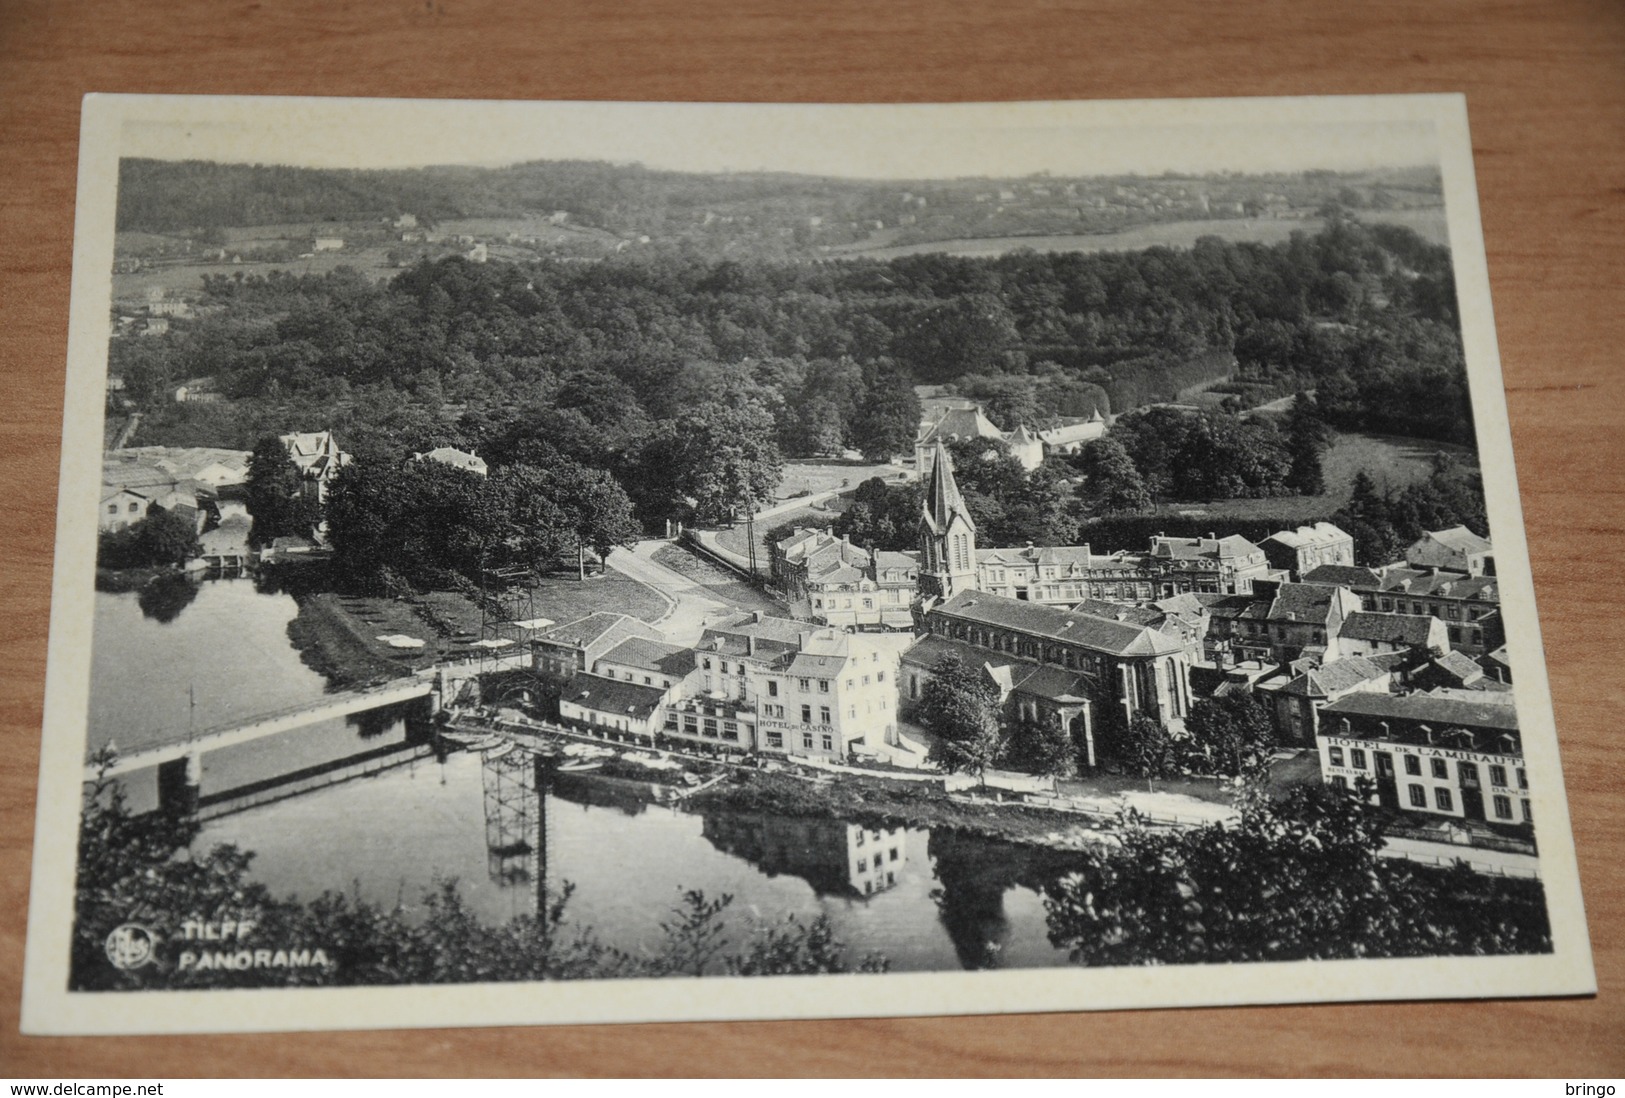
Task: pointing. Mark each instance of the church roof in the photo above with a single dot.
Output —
(960, 423)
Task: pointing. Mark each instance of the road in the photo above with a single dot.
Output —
(692, 606)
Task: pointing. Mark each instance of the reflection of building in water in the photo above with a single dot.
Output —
(835, 857)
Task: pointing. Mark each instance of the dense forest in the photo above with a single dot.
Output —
(690, 378)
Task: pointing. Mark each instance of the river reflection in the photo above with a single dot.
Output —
(510, 832)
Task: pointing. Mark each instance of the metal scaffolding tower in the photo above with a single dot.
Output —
(516, 832)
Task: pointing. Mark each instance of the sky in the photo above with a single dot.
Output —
(853, 141)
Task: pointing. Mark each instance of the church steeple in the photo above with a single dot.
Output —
(947, 533)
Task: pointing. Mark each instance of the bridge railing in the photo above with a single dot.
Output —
(407, 688)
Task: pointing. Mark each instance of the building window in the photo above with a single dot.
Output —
(1357, 758)
(1340, 783)
(1335, 755)
(880, 676)
(1523, 779)
(863, 865)
(1442, 798)
(806, 740)
(711, 728)
(691, 725)
(1419, 796)
(893, 854)
(804, 685)
(868, 604)
(823, 714)
(859, 841)
(1527, 818)
(706, 663)
(1503, 807)
(1441, 769)
(1498, 776)
(829, 742)
(806, 714)
(775, 739)
(772, 688)
(1413, 765)
(823, 686)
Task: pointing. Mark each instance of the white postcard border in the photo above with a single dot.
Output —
(49, 1008)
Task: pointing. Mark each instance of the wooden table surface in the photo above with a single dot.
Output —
(1546, 94)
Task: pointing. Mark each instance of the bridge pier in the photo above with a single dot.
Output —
(180, 782)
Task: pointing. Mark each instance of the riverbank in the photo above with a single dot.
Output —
(332, 642)
(886, 804)
(117, 581)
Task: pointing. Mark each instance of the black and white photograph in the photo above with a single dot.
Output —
(626, 562)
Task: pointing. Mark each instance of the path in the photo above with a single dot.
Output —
(691, 605)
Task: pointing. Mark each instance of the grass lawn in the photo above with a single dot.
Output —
(719, 583)
(1393, 462)
(566, 598)
(810, 478)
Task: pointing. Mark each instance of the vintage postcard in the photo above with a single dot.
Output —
(581, 562)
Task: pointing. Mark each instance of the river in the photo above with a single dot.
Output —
(925, 901)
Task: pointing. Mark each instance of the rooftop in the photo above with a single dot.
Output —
(1403, 629)
(1429, 708)
(1321, 533)
(613, 695)
(1056, 623)
(651, 655)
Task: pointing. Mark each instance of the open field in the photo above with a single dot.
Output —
(811, 477)
(565, 598)
(1428, 222)
(1393, 463)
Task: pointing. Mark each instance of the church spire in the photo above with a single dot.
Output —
(942, 498)
(947, 534)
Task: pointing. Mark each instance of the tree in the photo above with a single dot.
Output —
(1230, 735)
(1153, 751)
(960, 705)
(886, 423)
(1298, 879)
(569, 502)
(1306, 440)
(1111, 483)
(275, 493)
(882, 516)
(1042, 747)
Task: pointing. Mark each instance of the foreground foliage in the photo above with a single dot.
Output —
(1297, 880)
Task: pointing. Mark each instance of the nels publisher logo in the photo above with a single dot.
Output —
(130, 946)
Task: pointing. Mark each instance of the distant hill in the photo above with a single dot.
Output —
(716, 211)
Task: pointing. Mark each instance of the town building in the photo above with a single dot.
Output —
(1280, 622)
(837, 583)
(1296, 704)
(1210, 565)
(1457, 549)
(1468, 605)
(457, 459)
(561, 652)
(1306, 548)
(318, 458)
(1437, 754)
(169, 478)
(775, 686)
(1055, 665)
(1027, 444)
